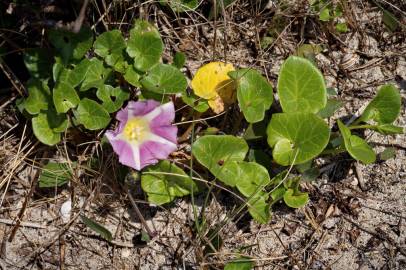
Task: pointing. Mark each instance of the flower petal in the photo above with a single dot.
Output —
(151, 152)
(128, 154)
(136, 108)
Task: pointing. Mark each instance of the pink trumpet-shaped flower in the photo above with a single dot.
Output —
(145, 133)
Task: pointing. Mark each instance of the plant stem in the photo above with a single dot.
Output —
(361, 126)
(333, 151)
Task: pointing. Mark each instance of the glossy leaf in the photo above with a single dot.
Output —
(144, 45)
(300, 135)
(132, 76)
(65, 97)
(165, 181)
(91, 114)
(96, 75)
(356, 146)
(96, 227)
(301, 86)
(54, 174)
(249, 177)
(43, 131)
(111, 46)
(38, 98)
(213, 151)
(164, 79)
(254, 94)
(295, 199)
(385, 107)
(112, 98)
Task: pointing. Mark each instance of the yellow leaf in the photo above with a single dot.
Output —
(211, 82)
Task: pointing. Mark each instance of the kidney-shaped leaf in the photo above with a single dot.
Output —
(65, 97)
(213, 151)
(38, 62)
(111, 46)
(249, 177)
(301, 86)
(356, 146)
(385, 107)
(91, 114)
(96, 74)
(295, 199)
(165, 181)
(42, 129)
(296, 137)
(144, 45)
(254, 94)
(164, 79)
(112, 98)
(39, 96)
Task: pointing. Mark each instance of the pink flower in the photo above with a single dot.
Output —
(145, 133)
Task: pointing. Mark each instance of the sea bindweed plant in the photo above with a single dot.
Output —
(81, 84)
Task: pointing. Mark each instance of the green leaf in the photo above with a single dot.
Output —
(55, 174)
(132, 76)
(144, 45)
(96, 75)
(331, 107)
(254, 94)
(385, 107)
(324, 14)
(93, 225)
(43, 131)
(342, 27)
(295, 199)
(197, 103)
(38, 62)
(39, 96)
(112, 98)
(258, 207)
(74, 76)
(164, 79)
(165, 181)
(71, 45)
(388, 153)
(388, 129)
(250, 178)
(65, 97)
(181, 5)
(356, 146)
(91, 114)
(213, 151)
(111, 46)
(301, 86)
(278, 193)
(300, 135)
(242, 263)
(390, 20)
(179, 60)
